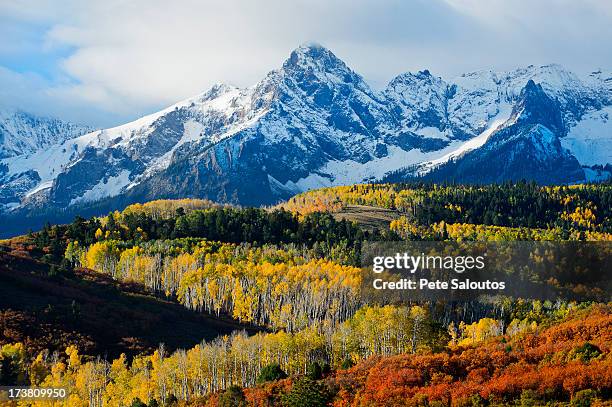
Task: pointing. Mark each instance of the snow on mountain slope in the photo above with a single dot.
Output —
(472, 144)
(24, 133)
(590, 140)
(526, 146)
(315, 122)
(137, 141)
(480, 96)
(348, 172)
(420, 103)
(481, 101)
(464, 107)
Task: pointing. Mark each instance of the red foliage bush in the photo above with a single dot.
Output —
(537, 362)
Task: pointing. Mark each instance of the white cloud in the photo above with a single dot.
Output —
(129, 57)
(79, 103)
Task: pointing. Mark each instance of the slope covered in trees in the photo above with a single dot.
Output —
(193, 275)
(567, 361)
(45, 308)
(523, 205)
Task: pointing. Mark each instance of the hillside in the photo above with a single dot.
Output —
(568, 360)
(420, 211)
(47, 310)
(193, 275)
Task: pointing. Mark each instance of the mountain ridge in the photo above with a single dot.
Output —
(24, 133)
(315, 122)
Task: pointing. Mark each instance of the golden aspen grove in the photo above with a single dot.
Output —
(286, 284)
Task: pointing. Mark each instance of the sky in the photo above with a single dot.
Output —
(106, 62)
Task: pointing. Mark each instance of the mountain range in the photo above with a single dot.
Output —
(315, 122)
(23, 133)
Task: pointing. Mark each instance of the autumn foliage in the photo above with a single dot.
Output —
(292, 274)
(544, 364)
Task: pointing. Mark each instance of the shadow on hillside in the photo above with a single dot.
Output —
(93, 311)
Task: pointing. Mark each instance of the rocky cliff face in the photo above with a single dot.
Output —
(527, 146)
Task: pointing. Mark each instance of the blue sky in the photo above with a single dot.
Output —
(106, 62)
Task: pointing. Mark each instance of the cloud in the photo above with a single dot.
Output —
(84, 104)
(129, 57)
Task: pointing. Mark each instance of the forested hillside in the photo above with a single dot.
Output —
(274, 295)
(537, 366)
(48, 309)
(523, 211)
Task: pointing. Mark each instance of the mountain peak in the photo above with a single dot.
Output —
(310, 45)
(531, 88)
(536, 107)
(314, 55)
(316, 70)
(217, 90)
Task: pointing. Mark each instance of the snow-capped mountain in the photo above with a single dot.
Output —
(315, 122)
(507, 103)
(23, 133)
(526, 146)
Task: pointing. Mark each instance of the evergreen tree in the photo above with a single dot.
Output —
(270, 373)
(306, 392)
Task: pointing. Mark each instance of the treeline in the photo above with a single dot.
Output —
(442, 231)
(579, 207)
(231, 225)
(167, 208)
(168, 220)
